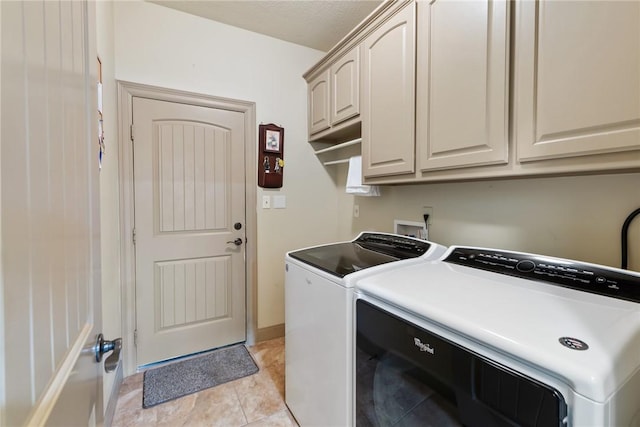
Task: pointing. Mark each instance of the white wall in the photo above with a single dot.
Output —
(158, 46)
(576, 217)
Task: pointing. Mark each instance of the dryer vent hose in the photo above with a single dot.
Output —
(625, 235)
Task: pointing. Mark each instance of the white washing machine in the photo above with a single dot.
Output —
(319, 319)
(489, 338)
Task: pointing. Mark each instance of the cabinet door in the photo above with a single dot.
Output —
(345, 87)
(577, 78)
(388, 98)
(462, 83)
(318, 103)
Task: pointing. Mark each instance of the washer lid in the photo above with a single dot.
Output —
(368, 250)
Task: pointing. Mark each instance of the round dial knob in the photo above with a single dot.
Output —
(526, 266)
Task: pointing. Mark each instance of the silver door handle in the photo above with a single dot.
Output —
(102, 347)
(236, 242)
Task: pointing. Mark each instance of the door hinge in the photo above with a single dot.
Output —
(131, 131)
(133, 235)
(135, 338)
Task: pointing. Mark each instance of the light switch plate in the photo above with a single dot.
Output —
(266, 202)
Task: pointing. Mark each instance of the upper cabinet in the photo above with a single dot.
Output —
(577, 78)
(388, 99)
(477, 89)
(462, 83)
(318, 103)
(345, 87)
(334, 95)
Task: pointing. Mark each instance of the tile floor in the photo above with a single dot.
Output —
(254, 401)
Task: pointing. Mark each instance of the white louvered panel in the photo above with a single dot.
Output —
(165, 181)
(220, 183)
(55, 147)
(178, 177)
(209, 177)
(191, 291)
(200, 289)
(38, 206)
(70, 214)
(46, 225)
(192, 165)
(189, 178)
(209, 291)
(164, 286)
(75, 184)
(179, 292)
(198, 176)
(217, 281)
(15, 225)
(69, 285)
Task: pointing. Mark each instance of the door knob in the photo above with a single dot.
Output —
(236, 242)
(102, 347)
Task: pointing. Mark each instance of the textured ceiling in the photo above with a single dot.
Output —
(318, 24)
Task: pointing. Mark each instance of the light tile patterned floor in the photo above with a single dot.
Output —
(255, 401)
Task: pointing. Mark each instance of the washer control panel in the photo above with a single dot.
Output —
(571, 274)
(393, 245)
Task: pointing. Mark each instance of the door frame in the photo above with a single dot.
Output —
(126, 92)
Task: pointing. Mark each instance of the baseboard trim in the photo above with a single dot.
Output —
(270, 332)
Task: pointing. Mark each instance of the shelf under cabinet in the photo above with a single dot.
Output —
(336, 162)
(337, 147)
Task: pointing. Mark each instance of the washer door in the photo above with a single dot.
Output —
(408, 376)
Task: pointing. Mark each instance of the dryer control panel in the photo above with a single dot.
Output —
(584, 277)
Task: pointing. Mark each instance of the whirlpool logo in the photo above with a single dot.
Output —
(424, 347)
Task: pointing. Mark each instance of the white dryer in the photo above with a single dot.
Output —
(489, 337)
(319, 319)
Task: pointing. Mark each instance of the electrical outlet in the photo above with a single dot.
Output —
(356, 211)
(266, 202)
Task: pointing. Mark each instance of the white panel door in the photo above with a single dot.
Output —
(189, 194)
(50, 271)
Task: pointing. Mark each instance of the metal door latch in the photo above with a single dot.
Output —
(236, 242)
(102, 347)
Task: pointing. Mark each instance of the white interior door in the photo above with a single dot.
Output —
(189, 177)
(50, 271)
